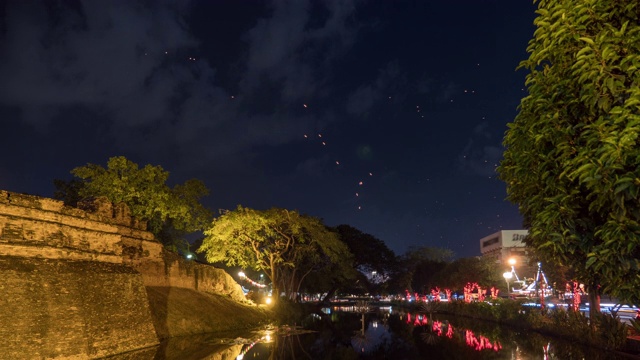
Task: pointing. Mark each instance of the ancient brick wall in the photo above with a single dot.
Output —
(53, 308)
(72, 282)
(37, 227)
(174, 271)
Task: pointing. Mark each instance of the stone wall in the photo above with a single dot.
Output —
(44, 228)
(73, 281)
(171, 270)
(71, 309)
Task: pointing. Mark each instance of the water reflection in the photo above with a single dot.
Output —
(342, 333)
(438, 328)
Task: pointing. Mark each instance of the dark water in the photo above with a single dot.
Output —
(384, 334)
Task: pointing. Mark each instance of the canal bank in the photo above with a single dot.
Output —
(178, 312)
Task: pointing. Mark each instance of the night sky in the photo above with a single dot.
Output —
(384, 115)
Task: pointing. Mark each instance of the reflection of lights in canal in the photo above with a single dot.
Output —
(352, 308)
(477, 342)
(266, 338)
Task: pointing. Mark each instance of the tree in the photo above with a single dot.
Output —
(572, 158)
(325, 261)
(285, 245)
(170, 212)
(68, 191)
(479, 269)
(417, 267)
(369, 253)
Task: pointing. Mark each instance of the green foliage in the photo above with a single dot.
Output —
(610, 332)
(572, 159)
(481, 270)
(419, 269)
(286, 245)
(416, 254)
(369, 253)
(634, 326)
(147, 194)
(68, 191)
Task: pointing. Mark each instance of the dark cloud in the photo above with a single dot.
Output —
(481, 155)
(365, 97)
(135, 65)
(109, 58)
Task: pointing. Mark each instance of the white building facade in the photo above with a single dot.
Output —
(504, 245)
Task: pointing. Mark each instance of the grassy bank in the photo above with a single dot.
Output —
(180, 312)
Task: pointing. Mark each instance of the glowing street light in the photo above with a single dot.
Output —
(507, 276)
(512, 262)
(242, 275)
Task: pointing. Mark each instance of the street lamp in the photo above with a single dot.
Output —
(507, 276)
(241, 275)
(512, 262)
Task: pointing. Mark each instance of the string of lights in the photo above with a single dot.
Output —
(243, 276)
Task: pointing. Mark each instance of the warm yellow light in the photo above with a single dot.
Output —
(267, 300)
(512, 261)
(241, 274)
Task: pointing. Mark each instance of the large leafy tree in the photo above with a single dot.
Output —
(370, 255)
(482, 270)
(572, 159)
(284, 244)
(170, 212)
(322, 265)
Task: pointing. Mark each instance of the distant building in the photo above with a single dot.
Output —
(504, 245)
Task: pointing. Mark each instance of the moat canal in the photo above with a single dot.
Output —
(384, 334)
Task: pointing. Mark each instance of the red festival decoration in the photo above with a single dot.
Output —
(576, 296)
(468, 289)
(435, 292)
(494, 292)
(482, 293)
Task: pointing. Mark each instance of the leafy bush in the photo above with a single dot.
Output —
(634, 326)
(609, 332)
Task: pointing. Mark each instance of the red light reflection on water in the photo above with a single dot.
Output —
(450, 331)
(437, 327)
(480, 342)
(477, 342)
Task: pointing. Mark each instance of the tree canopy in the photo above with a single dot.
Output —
(572, 159)
(168, 211)
(284, 244)
(370, 253)
(419, 268)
